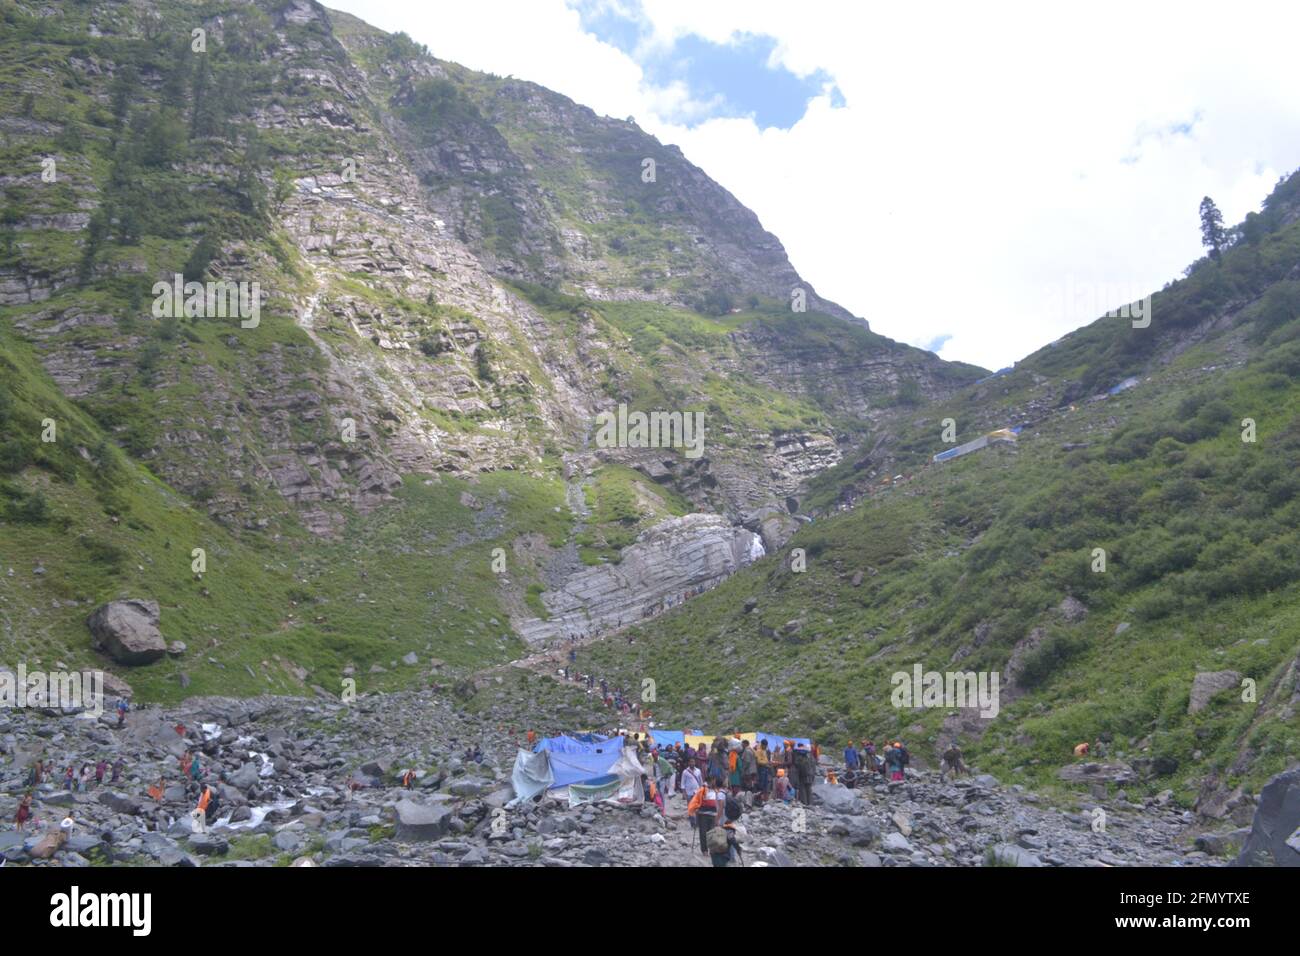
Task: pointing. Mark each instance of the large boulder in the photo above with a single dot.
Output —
(128, 631)
(120, 802)
(858, 830)
(836, 797)
(1208, 683)
(1275, 832)
(419, 822)
(1008, 854)
(245, 777)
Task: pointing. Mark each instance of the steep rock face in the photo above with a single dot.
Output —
(851, 372)
(1274, 838)
(667, 565)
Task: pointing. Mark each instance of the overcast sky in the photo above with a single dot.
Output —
(978, 179)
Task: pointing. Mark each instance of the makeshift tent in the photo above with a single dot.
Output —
(775, 741)
(1001, 435)
(575, 761)
(707, 739)
(532, 775)
(666, 738)
(622, 784)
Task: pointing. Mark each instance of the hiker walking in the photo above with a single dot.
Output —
(896, 761)
(803, 775)
(24, 811)
(704, 807)
(666, 773)
(733, 769)
(101, 768)
(763, 761)
(748, 767)
(199, 815)
(952, 763)
(724, 841)
(118, 767)
(691, 780)
(121, 711)
(210, 804)
(851, 760)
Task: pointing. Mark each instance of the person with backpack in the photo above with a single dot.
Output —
(803, 775)
(748, 768)
(895, 761)
(201, 814)
(666, 772)
(724, 841)
(763, 759)
(704, 807)
(213, 807)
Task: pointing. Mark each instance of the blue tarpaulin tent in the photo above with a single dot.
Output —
(573, 760)
(666, 738)
(775, 741)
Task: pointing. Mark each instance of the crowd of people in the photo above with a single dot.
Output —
(44, 773)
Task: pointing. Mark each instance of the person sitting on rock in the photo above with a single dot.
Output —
(781, 789)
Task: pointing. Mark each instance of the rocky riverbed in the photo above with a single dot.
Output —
(317, 782)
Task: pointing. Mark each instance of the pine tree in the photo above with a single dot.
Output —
(1213, 235)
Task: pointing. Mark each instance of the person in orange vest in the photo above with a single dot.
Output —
(156, 791)
(408, 779)
(532, 738)
(1081, 750)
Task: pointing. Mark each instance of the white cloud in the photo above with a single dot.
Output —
(986, 156)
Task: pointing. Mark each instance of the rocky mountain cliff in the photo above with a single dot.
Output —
(455, 276)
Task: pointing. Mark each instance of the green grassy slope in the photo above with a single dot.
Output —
(957, 565)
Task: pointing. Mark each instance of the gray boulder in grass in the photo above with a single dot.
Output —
(128, 631)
